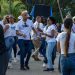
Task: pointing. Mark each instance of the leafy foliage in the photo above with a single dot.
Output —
(16, 7)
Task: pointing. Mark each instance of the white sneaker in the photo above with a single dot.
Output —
(44, 65)
(18, 58)
(15, 60)
(10, 66)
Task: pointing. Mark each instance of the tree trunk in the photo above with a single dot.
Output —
(60, 10)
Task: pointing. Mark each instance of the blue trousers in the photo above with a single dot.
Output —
(9, 41)
(68, 64)
(43, 49)
(25, 51)
(49, 51)
(54, 54)
(14, 46)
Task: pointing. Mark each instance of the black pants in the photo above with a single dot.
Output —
(25, 51)
(14, 46)
(3, 63)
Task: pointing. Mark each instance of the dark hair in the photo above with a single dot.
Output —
(68, 25)
(43, 20)
(7, 18)
(52, 19)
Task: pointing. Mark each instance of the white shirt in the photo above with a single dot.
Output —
(37, 25)
(0, 22)
(48, 31)
(13, 29)
(62, 37)
(62, 27)
(24, 29)
(73, 28)
(9, 31)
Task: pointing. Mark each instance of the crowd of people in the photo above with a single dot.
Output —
(29, 38)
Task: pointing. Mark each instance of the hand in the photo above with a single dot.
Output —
(42, 33)
(24, 35)
(6, 27)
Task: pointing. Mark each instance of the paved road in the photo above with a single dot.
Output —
(35, 69)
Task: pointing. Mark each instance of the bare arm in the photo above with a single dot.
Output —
(6, 28)
(34, 30)
(39, 30)
(58, 47)
(52, 34)
(20, 34)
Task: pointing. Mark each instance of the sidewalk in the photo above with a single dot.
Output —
(35, 69)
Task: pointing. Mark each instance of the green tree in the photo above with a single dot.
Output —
(4, 7)
(16, 7)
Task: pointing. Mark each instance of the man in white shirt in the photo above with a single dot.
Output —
(36, 37)
(23, 30)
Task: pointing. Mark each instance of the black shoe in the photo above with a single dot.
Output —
(27, 67)
(49, 69)
(22, 68)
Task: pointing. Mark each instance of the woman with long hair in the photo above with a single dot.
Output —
(49, 32)
(66, 46)
(9, 39)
